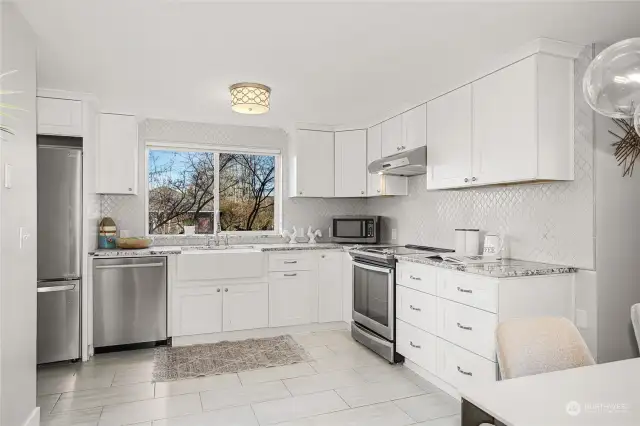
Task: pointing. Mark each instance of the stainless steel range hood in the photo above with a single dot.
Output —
(408, 163)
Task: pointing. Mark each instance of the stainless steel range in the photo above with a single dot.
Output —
(374, 296)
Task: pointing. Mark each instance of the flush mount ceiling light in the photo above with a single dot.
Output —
(250, 98)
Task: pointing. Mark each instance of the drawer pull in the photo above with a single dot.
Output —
(414, 308)
(290, 275)
(465, 290)
(414, 346)
(415, 278)
(466, 373)
(289, 262)
(465, 327)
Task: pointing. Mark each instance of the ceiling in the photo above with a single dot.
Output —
(332, 63)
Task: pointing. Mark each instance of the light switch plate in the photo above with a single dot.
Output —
(581, 319)
(8, 168)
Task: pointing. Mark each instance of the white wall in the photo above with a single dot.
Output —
(18, 209)
(128, 211)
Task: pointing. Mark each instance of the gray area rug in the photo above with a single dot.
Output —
(188, 362)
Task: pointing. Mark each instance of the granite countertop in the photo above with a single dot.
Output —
(505, 268)
(167, 250)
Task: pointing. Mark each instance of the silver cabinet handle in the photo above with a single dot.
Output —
(466, 373)
(141, 265)
(415, 346)
(465, 290)
(465, 327)
(55, 288)
(466, 180)
(218, 290)
(289, 262)
(290, 275)
(415, 278)
(414, 308)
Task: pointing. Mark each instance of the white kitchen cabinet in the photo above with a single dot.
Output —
(117, 155)
(312, 164)
(59, 117)
(391, 136)
(197, 310)
(245, 306)
(351, 163)
(449, 134)
(378, 185)
(414, 128)
(523, 122)
(347, 287)
(293, 298)
(330, 286)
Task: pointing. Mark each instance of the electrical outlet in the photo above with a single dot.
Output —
(394, 234)
(581, 319)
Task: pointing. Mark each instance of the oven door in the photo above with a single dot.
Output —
(373, 298)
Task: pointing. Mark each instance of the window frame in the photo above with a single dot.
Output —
(216, 150)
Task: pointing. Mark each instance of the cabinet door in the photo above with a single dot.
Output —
(245, 306)
(351, 163)
(117, 155)
(504, 125)
(391, 136)
(347, 288)
(330, 287)
(60, 117)
(449, 135)
(293, 298)
(374, 152)
(414, 128)
(197, 311)
(314, 164)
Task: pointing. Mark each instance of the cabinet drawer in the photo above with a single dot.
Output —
(471, 328)
(291, 262)
(416, 276)
(459, 367)
(468, 289)
(416, 345)
(416, 308)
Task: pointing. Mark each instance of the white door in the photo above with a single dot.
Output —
(330, 287)
(293, 298)
(504, 125)
(449, 134)
(197, 310)
(314, 164)
(117, 155)
(60, 117)
(391, 136)
(245, 306)
(351, 163)
(414, 128)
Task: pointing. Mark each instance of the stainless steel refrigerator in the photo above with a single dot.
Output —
(59, 248)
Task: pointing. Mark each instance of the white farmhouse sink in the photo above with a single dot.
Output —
(217, 249)
(199, 263)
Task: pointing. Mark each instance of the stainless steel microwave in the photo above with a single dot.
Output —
(356, 229)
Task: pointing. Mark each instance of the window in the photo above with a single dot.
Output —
(235, 191)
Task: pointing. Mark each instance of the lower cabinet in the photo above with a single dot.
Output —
(197, 310)
(293, 298)
(416, 345)
(330, 287)
(460, 367)
(245, 306)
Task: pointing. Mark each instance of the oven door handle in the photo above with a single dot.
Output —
(372, 268)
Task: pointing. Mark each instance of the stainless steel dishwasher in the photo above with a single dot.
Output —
(129, 301)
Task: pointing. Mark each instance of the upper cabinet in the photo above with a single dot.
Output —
(59, 117)
(414, 128)
(312, 164)
(521, 119)
(351, 163)
(378, 185)
(117, 155)
(391, 136)
(449, 140)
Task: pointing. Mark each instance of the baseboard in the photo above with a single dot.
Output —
(256, 333)
(34, 418)
(432, 378)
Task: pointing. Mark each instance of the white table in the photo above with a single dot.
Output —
(604, 394)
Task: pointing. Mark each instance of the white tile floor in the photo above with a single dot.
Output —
(345, 384)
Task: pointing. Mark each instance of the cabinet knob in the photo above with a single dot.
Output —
(378, 191)
(226, 289)
(300, 192)
(466, 180)
(362, 192)
(474, 178)
(323, 256)
(218, 290)
(130, 189)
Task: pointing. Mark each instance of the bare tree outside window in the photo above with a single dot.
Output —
(182, 191)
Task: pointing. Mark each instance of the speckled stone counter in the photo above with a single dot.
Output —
(299, 246)
(505, 268)
(167, 250)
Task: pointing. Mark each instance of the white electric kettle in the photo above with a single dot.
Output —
(493, 245)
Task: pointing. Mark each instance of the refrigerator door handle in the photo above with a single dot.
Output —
(53, 288)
